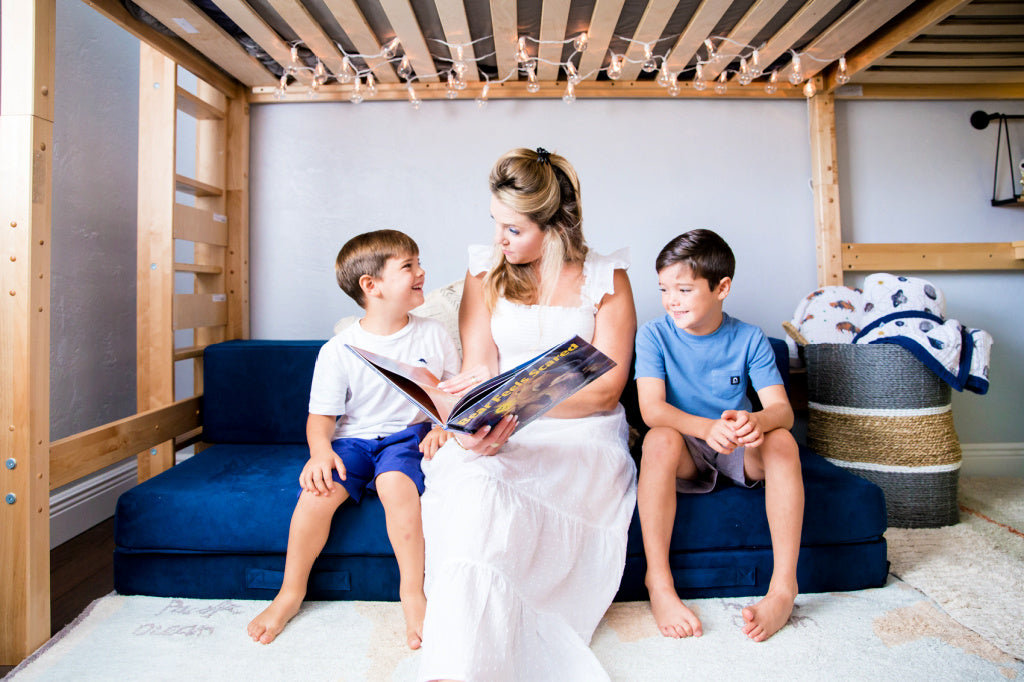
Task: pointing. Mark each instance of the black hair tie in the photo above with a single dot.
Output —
(542, 155)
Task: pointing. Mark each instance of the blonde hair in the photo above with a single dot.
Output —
(367, 254)
(543, 187)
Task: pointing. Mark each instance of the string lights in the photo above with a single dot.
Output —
(364, 84)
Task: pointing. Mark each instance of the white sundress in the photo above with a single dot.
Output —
(525, 549)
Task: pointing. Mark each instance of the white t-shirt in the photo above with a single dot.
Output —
(366, 405)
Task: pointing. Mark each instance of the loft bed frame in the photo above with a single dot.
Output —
(876, 35)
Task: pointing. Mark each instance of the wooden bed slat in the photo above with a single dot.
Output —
(554, 15)
(456, 31)
(197, 108)
(798, 25)
(196, 225)
(407, 28)
(652, 25)
(358, 31)
(756, 18)
(256, 28)
(602, 29)
(506, 35)
(199, 269)
(696, 31)
(200, 310)
(84, 453)
(850, 29)
(194, 27)
(881, 45)
(195, 187)
(946, 257)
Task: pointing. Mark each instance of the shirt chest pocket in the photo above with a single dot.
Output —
(728, 384)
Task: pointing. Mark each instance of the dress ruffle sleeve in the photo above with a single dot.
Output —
(480, 258)
(599, 273)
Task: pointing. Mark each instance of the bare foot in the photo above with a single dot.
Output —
(766, 617)
(265, 627)
(414, 607)
(674, 618)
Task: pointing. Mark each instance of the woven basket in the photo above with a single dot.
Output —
(879, 412)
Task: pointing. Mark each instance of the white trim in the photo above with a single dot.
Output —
(894, 469)
(89, 501)
(880, 412)
(993, 459)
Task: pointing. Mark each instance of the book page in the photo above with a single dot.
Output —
(418, 384)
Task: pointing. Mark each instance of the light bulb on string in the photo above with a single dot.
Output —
(314, 89)
(371, 85)
(481, 99)
(532, 85)
(282, 85)
(720, 84)
(320, 71)
(673, 85)
(570, 93)
(295, 55)
(772, 84)
(698, 78)
(842, 76)
(710, 47)
(390, 49)
(404, 68)
(459, 65)
(347, 72)
(744, 75)
(649, 64)
(755, 65)
(581, 42)
(664, 77)
(615, 67)
(795, 77)
(356, 95)
(521, 54)
(810, 88)
(571, 74)
(414, 100)
(451, 92)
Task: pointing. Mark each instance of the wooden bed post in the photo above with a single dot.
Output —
(825, 180)
(26, 138)
(155, 275)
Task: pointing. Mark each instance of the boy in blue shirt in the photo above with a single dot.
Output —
(692, 370)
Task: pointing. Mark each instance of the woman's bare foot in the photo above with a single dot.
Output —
(766, 617)
(414, 608)
(674, 618)
(265, 627)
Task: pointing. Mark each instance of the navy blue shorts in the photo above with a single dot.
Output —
(367, 458)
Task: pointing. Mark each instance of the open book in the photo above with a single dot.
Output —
(529, 390)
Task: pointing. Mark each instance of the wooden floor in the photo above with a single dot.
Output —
(81, 571)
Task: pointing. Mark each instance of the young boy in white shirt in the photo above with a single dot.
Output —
(362, 433)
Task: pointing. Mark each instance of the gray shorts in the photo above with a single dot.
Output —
(711, 463)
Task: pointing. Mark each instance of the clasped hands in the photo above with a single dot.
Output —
(486, 441)
(733, 429)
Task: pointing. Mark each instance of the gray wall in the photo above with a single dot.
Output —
(92, 294)
(913, 172)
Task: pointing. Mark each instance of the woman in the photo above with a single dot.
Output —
(526, 537)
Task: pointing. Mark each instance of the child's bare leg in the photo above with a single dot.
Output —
(401, 502)
(311, 522)
(665, 458)
(777, 462)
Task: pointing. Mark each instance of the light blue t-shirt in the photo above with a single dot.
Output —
(706, 375)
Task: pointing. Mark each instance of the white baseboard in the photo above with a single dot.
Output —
(992, 459)
(82, 505)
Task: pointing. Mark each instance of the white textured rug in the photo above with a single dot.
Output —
(887, 633)
(974, 570)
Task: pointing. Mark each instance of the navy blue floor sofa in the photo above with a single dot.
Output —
(216, 525)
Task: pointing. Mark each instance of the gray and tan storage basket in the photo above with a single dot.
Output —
(879, 412)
